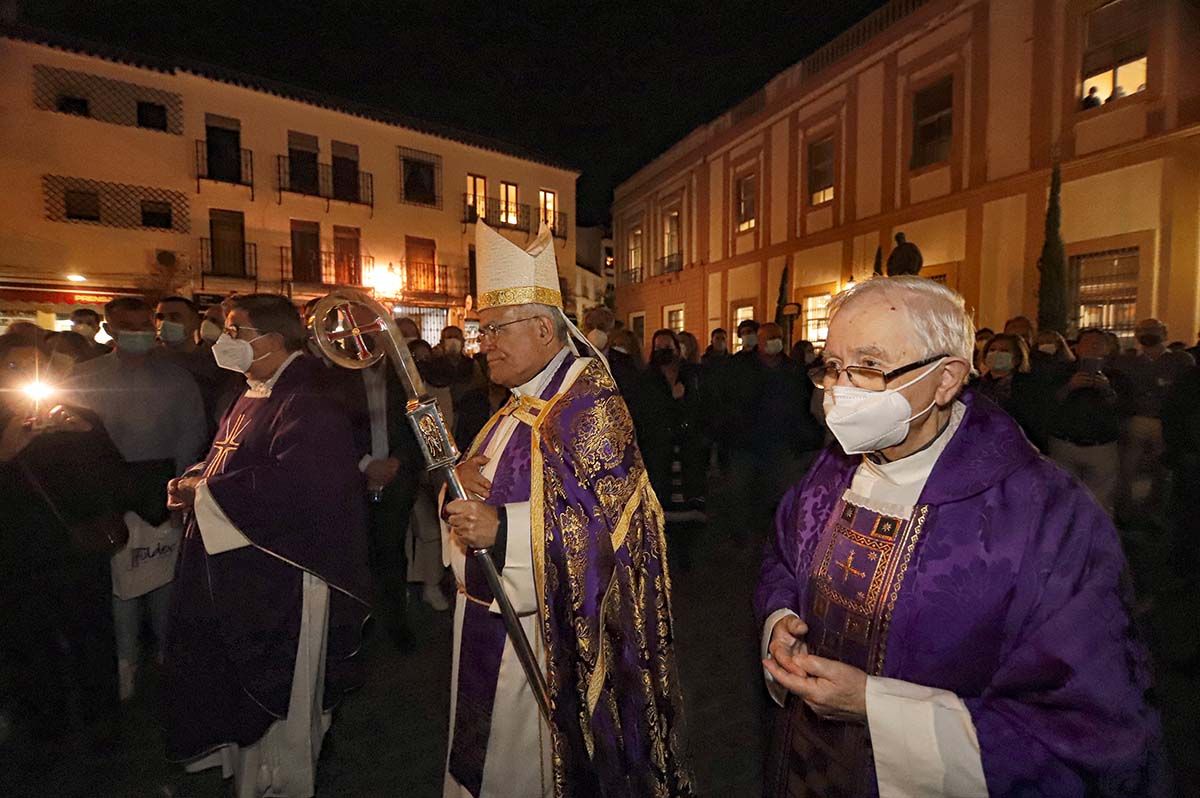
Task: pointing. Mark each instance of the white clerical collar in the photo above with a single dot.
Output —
(917, 467)
(538, 384)
(262, 389)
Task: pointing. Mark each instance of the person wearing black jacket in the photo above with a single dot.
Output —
(61, 484)
(1086, 416)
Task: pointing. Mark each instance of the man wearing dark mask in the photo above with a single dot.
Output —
(1152, 371)
(153, 412)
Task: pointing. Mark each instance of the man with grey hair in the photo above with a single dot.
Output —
(561, 498)
(942, 608)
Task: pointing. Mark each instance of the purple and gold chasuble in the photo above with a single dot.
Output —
(284, 471)
(1004, 587)
(603, 594)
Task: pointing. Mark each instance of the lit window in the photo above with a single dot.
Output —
(509, 207)
(671, 233)
(1114, 61)
(476, 197)
(635, 248)
(83, 206)
(933, 124)
(152, 116)
(820, 171)
(156, 214)
(77, 106)
(744, 313)
(746, 196)
(547, 205)
(674, 320)
(816, 318)
(1103, 290)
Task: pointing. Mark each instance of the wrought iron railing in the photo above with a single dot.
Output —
(497, 213)
(228, 259)
(670, 263)
(558, 225)
(633, 274)
(239, 171)
(313, 179)
(322, 267)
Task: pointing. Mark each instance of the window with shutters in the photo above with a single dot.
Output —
(932, 124)
(1116, 38)
(820, 171)
(746, 196)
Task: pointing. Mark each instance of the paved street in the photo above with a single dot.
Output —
(390, 737)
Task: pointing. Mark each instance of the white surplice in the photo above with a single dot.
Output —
(518, 761)
(923, 738)
(283, 762)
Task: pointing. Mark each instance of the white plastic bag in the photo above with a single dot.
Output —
(148, 561)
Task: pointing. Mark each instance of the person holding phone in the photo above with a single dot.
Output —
(1086, 422)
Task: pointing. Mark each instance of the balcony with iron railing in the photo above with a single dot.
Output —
(221, 166)
(236, 259)
(511, 215)
(322, 267)
(670, 263)
(632, 275)
(313, 179)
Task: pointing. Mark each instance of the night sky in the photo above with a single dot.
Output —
(603, 86)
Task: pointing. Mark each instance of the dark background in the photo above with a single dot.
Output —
(603, 86)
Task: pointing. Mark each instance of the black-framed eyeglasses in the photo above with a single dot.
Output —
(865, 377)
(235, 331)
(491, 330)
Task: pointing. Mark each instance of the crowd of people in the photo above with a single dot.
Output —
(93, 435)
(107, 449)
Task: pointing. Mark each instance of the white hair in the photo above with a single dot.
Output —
(561, 329)
(939, 319)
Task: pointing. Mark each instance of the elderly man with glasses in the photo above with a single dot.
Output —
(943, 610)
(563, 501)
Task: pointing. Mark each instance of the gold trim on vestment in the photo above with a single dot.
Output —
(523, 295)
(885, 620)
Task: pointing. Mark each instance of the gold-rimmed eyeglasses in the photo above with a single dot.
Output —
(865, 377)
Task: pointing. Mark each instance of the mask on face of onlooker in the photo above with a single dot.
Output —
(452, 346)
(774, 346)
(750, 340)
(1001, 362)
(663, 356)
(210, 331)
(88, 331)
(598, 338)
(172, 332)
(135, 342)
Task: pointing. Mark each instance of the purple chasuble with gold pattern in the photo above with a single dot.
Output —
(1005, 588)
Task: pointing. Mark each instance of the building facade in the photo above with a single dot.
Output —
(126, 175)
(941, 119)
(590, 281)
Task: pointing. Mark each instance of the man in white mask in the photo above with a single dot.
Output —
(179, 323)
(272, 578)
(942, 608)
(153, 412)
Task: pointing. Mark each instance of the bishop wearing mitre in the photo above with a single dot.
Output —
(562, 500)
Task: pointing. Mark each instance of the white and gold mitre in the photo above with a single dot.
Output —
(509, 275)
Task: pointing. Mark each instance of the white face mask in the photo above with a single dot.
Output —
(774, 346)
(749, 340)
(210, 331)
(598, 338)
(86, 330)
(1000, 361)
(867, 421)
(172, 332)
(235, 354)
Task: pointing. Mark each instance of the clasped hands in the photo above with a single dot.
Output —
(832, 689)
(473, 523)
(181, 493)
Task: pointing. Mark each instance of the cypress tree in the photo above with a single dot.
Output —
(1052, 264)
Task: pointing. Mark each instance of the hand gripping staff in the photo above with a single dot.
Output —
(354, 331)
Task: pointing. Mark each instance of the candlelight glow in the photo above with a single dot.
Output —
(385, 280)
(38, 391)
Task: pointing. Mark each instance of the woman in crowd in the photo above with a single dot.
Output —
(668, 414)
(1008, 381)
(61, 486)
(689, 348)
